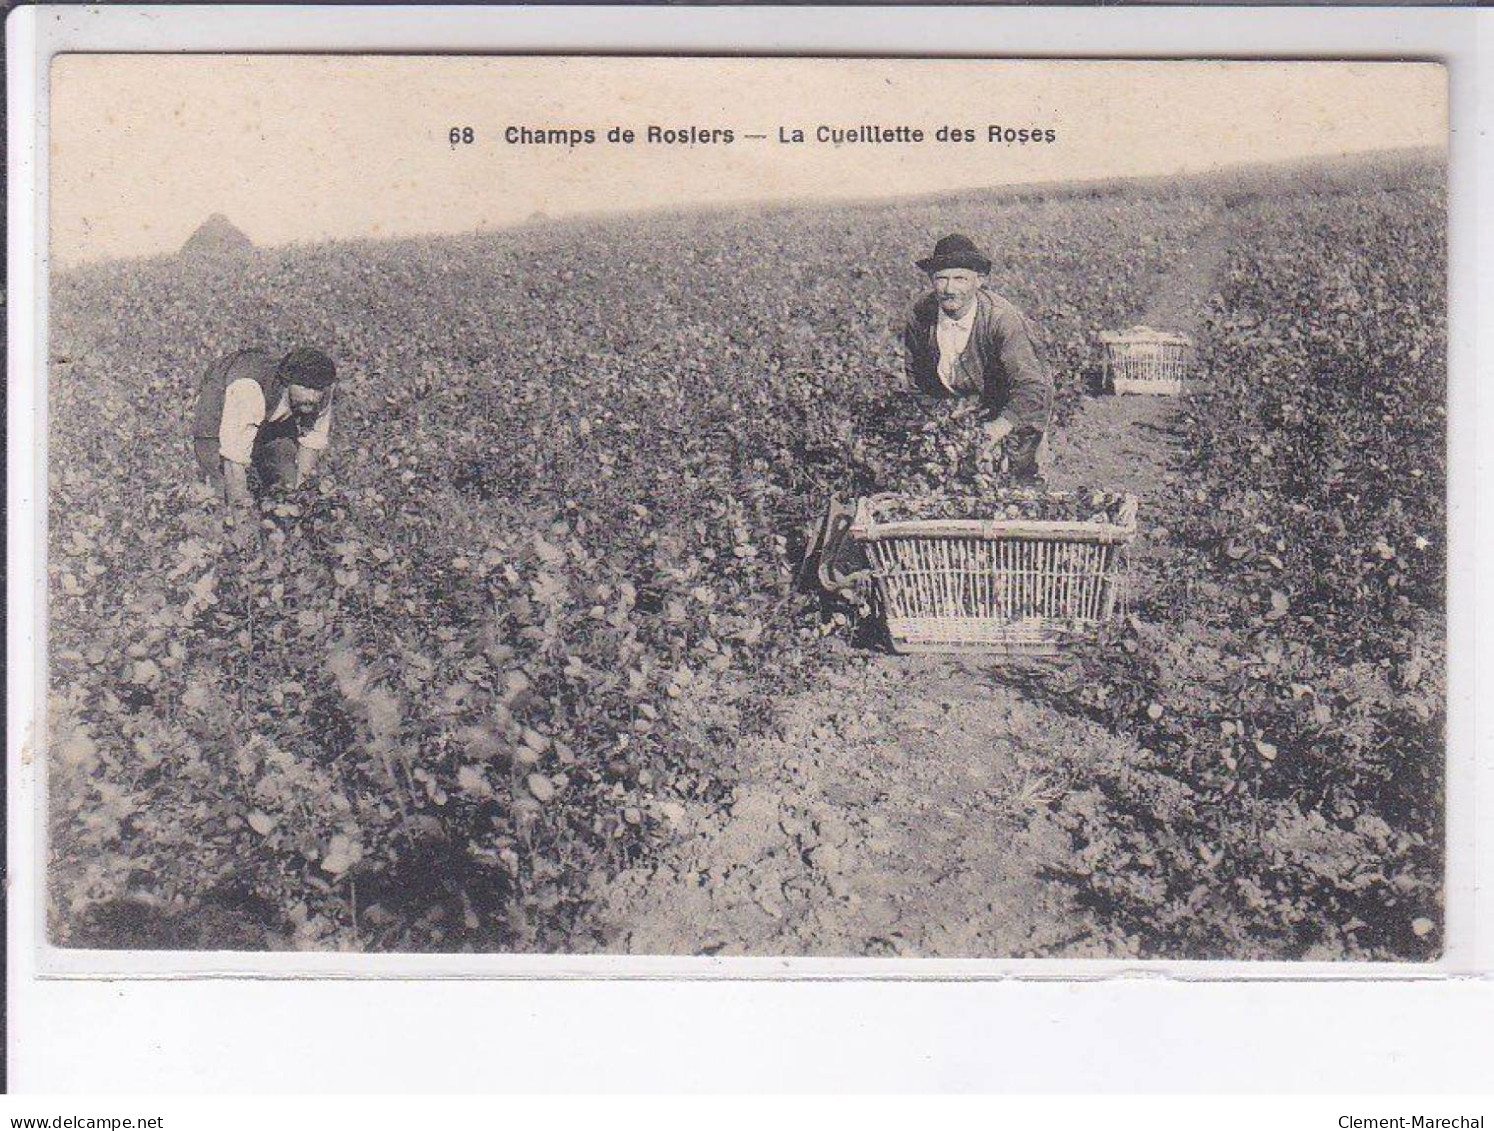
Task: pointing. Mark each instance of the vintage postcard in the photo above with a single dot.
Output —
(746, 507)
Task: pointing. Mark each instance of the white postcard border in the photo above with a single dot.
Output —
(1461, 38)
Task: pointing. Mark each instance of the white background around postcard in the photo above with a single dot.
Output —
(604, 1024)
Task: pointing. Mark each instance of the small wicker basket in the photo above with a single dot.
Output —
(1006, 587)
(1143, 360)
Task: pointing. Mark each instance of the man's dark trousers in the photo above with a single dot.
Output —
(274, 460)
(1021, 449)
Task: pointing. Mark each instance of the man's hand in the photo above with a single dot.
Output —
(236, 485)
(239, 530)
(305, 462)
(995, 432)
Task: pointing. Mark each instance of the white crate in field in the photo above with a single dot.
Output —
(1004, 587)
(1143, 360)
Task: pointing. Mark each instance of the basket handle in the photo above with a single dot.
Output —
(867, 503)
(837, 530)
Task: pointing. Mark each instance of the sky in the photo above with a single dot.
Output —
(305, 148)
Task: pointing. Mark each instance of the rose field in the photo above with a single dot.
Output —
(526, 666)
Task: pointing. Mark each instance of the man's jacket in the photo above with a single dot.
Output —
(999, 363)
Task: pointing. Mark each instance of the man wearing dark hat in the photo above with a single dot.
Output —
(274, 416)
(963, 340)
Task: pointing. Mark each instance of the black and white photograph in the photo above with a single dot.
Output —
(796, 508)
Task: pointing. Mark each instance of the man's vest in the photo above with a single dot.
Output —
(207, 416)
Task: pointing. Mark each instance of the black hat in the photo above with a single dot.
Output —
(310, 369)
(956, 251)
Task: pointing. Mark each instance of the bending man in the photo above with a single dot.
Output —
(275, 417)
(963, 340)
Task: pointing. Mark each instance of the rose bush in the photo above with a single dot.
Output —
(1286, 678)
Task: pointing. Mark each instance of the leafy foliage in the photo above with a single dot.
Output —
(1286, 678)
(1005, 503)
(543, 587)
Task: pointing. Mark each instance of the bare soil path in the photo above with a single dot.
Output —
(915, 805)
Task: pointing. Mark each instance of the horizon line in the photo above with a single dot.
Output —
(593, 216)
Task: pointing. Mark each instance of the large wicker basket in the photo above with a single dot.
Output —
(997, 586)
(1143, 360)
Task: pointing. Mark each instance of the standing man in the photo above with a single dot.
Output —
(273, 416)
(962, 340)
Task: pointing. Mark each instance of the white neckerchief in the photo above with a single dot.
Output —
(952, 335)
